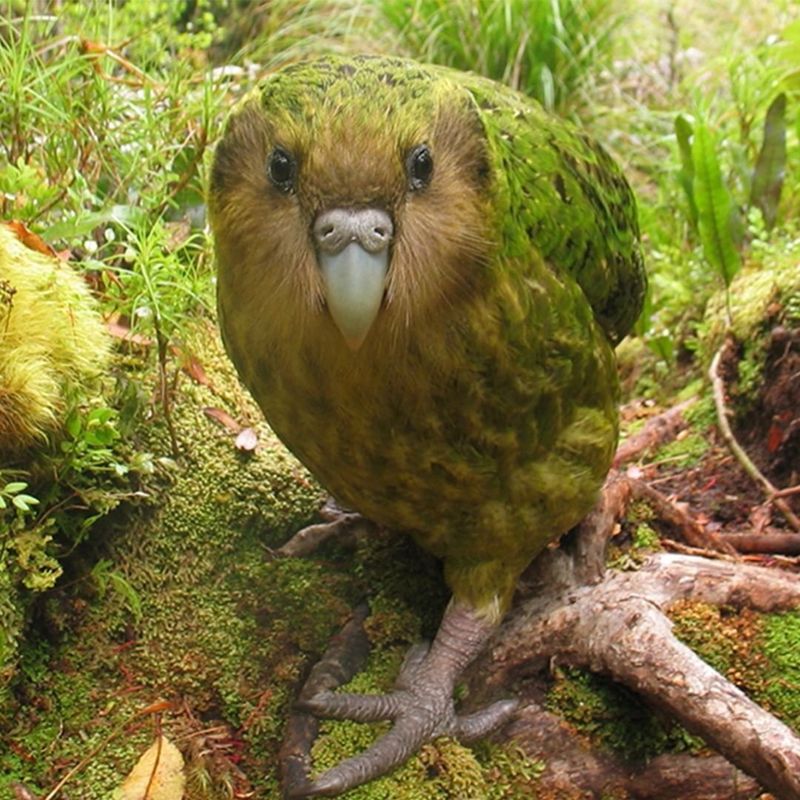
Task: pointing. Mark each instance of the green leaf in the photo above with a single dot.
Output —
(714, 207)
(683, 133)
(73, 424)
(765, 192)
(14, 487)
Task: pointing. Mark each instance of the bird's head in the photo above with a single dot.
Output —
(351, 192)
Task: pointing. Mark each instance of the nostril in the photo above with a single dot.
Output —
(327, 230)
(379, 231)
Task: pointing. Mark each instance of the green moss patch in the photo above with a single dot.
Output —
(614, 718)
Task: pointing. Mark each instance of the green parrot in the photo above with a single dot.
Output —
(421, 279)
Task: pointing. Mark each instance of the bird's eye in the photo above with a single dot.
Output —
(420, 167)
(281, 170)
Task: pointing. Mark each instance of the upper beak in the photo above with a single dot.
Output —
(353, 252)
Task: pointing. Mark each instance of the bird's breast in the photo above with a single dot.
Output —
(462, 437)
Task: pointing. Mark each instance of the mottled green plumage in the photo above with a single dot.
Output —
(480, 413)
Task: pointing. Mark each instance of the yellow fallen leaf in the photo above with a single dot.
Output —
(158, 775)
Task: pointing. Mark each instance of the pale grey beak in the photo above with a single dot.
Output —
(353, 252)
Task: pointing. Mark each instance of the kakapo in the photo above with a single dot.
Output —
(421, 279)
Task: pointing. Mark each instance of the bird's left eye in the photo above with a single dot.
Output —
(420, 167)
(281, 170)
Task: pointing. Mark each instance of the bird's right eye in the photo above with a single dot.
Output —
(281, 170)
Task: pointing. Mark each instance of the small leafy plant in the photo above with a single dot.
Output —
(713, 213)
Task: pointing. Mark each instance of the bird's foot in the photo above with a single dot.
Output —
(336, 522)
(420, 706)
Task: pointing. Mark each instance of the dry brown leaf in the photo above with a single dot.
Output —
(223, 418)
(158, 774)
(191, 366)
(30, 239)
(120, 331)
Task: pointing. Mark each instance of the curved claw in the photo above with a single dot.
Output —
(421, 705)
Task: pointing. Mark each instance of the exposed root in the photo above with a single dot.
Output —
(657, 430)
(573, 770)
(773, 494)
(619, 627)
(345, 656)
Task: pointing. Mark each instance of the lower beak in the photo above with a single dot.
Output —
(355, 280)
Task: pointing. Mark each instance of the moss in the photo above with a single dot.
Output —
(766, 295)
(762, 294)
(684, 451)
(757, 652)
(613, 717)
(780, 644)
(701, 415)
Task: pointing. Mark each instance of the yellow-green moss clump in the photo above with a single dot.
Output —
(765, 293)
(52, 340)
(53, 350)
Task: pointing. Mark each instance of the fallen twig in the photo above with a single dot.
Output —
(785, 543)
(691, 530)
